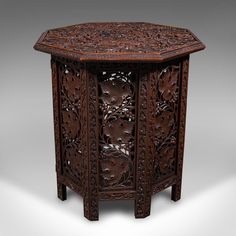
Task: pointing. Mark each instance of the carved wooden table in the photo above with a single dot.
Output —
(119, 98)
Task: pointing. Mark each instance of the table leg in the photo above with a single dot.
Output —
(61, 191)
(176, 189)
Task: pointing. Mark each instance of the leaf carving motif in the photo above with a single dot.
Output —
(168, 84)
(70, 102)
(71, 125)
(166, 121)
(117, 129)
(115, 167)
(163, 125)
(114, 92)
(166, 158)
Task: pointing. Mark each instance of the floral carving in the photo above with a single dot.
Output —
(115, 167)
(166, 158)
(119, 131)
(119, 127)
(71, 126)
(163, 125)
(118, 40)
(166, 122)
(70, 102)
(114, 93)
(168, 84)
(117, 109)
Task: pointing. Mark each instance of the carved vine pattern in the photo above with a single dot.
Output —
(117, 128)
(70, 106)
(95, 132)
(166, 122)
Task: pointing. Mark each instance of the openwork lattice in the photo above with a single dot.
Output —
(117, 129)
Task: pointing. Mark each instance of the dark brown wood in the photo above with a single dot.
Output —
(145, 133)
(123, 41)
(61, 188)
(91, 199)
(119, 125)
(61, 191)
(176, 188)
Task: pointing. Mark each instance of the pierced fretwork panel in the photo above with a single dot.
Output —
(166, 124)
(117, 129)
(70, 106)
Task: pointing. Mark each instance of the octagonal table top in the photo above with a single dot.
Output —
(119, 41)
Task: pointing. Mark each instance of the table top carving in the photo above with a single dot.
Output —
(119, 41)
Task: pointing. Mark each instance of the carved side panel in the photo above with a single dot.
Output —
(70, 90)
(166, 121)
(117, 128)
